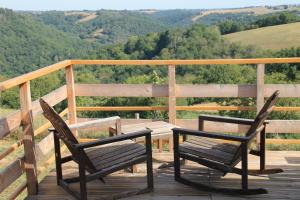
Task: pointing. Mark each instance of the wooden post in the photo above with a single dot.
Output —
(28, 140)
(71, 95)
(172, 100)
(260, 89)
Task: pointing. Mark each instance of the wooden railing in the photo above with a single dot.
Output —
(34, 152)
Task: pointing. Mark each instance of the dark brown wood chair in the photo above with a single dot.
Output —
(100, 157)
(223, 152)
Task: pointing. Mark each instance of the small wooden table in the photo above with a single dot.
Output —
(161, 130)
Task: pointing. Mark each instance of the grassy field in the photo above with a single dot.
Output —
(5, 111)
(273, 37)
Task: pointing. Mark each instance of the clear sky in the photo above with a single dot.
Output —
(134, 4)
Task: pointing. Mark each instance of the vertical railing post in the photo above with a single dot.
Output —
(260, 90)
(28, 139)
(172, 99)
(72, 117)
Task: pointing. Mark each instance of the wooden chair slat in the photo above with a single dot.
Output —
(124, 158)
(220, 145)
(208, 153)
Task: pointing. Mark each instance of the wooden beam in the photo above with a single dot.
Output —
(260, 91)
(172, 99)
(283, 141)
(123, 108)
(172, 94)
(17, 191)
(121, 90)
(184, 90)
(181, 108)
(10, 149)
(71, 95)
(38, 131)
(274, 126)
(13, 120)
(33, 75)
(11, 173)
(29, 149)
(286, 90)
(187, 62)
(215, 90)
(215, 108)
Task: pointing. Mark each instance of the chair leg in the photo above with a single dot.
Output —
(149, 162)
(176, 157)
(244, 167)
(262, 157)
(262, 149)
(57, 159)
(83, 192)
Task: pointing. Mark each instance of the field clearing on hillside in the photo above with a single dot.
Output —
(255, 10)
(273, 37)
(86, 16)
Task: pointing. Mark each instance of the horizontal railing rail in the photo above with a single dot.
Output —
(34, 152)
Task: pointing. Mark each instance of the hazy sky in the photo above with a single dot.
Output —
(134, 4)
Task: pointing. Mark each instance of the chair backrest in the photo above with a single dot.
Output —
(263, 114)
(258, 123)
(63, 131)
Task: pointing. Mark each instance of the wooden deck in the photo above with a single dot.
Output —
(280, 186)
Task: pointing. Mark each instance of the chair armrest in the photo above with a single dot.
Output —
(114, 139)
(232, 120)
(91, 123)
(210, 135)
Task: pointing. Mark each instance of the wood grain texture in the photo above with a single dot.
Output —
(11, 173)
(121, 90)
(72, 116)
(260, 90)
(187, 108)
(184, 90)
(187, 62)
(28, 139)
(275, 126)
(215, 90)
(286, 90)
(172, 94)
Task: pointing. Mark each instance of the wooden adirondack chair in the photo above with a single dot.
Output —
(100, 157)
(212, 150)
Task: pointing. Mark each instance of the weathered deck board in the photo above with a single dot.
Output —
(280, 186)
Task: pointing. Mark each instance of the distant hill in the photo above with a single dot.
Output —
(104, 26)
(273, 37)
(114, 26)
(27, 44)
(256, 10)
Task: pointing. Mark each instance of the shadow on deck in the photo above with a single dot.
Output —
(280, 186)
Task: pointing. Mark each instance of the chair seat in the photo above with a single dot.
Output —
(115, 154)
(210, 149)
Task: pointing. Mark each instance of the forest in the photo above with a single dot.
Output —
(28, 43)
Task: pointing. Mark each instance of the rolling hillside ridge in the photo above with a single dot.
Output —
(273, 37)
